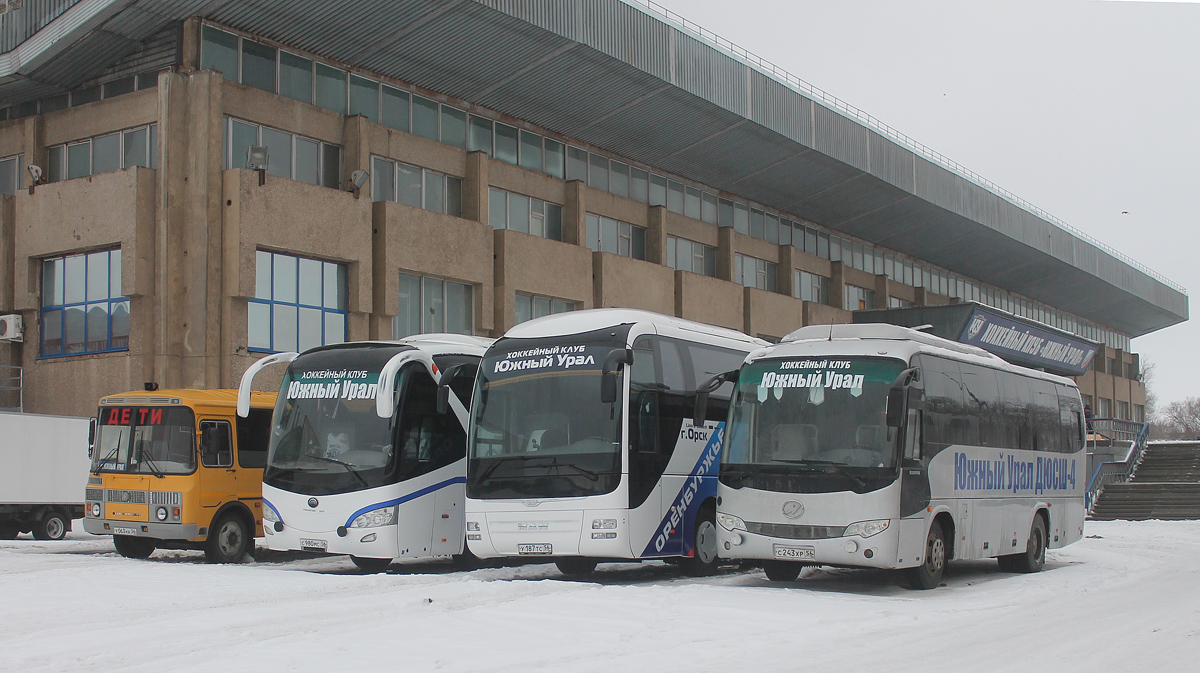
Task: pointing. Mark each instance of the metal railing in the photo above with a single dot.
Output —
(1116, 471)
(12, 386)
(804, 88)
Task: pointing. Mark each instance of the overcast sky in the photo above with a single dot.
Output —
(1086, 109)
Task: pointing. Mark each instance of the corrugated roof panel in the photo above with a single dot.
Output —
(626, 34)
(840, 138)
(709, 74)
(558, 17)
(778, 108)
(891, 162)
(87, 58)
(18, 26)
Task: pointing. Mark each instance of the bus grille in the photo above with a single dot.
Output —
(133, 497)
(95, 494)
(794, 532)
(166, 498)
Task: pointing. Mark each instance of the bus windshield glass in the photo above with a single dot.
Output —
(540, 428)
(822, 419)
(145, 440)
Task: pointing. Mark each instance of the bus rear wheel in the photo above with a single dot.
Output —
(371, 565)
(782, 571)
(228, 541)
(1034, 556)
(928, 575)
(575, 566)
(133, 547)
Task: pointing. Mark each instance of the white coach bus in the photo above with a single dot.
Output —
(365, 459)
(582, 444)
(882, 446)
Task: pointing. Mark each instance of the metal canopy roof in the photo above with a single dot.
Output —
(612, 75)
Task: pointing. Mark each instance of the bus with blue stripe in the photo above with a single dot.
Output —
(583, 442)
(368, 449)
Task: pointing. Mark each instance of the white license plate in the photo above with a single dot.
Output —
(314, 545)
(117, 530)
(797, 553)
(540, 549)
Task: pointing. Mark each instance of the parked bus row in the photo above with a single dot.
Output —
(609, 435)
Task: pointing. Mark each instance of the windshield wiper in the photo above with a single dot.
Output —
(504, 459)
(100, 465)
(834, 467)
(149, 462)
(586, 473)
(349, 468)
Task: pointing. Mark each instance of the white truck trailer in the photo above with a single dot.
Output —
(44, 474)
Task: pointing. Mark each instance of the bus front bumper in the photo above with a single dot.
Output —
(877, 551)
(376, 542)
(159, 531)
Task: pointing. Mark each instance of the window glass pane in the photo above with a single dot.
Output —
(219, 52)
(284, 278)
(52, 282)
(757, 223)
(691, 203)
(708, 208)
(52, 324)
(598, 172)
(295, 77)
(592, 227)
(658, 190)
(284, 324)
(555, 158)
(331, 88)
(106, 153)
(408, 185)
(541, 307)
(331, 165)
(97, 276)
(674, 197)
(383, 179)
(56, 158)
(559, 306)
(120, 325)
(335, 286)
(118, 87)
(262, 274)
(576, 164)
(364, 97)
(280, 146)
(147, 80)
(425, 117)
(308, 161)
(672, 244)
(459, 308)
(395, 108)
(531, 151)
(785, 232)
(243, 135)
(434, 186)
(454, 126)
(522, 308)
(432, 309)
(74, 280)
(335, 328)
(8, 177)
(408, 317)
(311, 282)
(554, 221)
(258, 65)
(79, 160)
(741, 218)
(710, 261)
(771, 229)
(518, 212)
(639, 242)
(258, 320)
(537, 217)
(498, 208)
(97, 327)
(75, 329)
(608, 235)
(481, 135)
(114, 273)
(618, 182)
(134, 151)
(311, 323)
(639, 185)
(453, 197)
(506, 143)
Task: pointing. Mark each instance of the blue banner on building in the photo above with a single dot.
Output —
(1023, 344)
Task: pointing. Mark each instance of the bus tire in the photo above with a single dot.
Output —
(133, 547)
(704, 559)
(1034, 556)
(229, 540)
(466, 560)
(928, 575)
(782, 571)
(53, 525)
(575, 566)
(371, 565)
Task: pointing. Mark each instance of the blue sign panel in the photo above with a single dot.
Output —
(1026, 345)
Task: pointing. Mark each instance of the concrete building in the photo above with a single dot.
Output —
(464, 166)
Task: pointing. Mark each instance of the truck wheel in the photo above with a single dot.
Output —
(52, 526)
(371, 565)
(133, 547)
(228, 541)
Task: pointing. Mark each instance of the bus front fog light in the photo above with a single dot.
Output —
(851, 546)
(604, 524)
(369, 537)
(730, 522)
(604, 536)
(472, 525)
(869, 553)
(866, 528)
(736, 538)
(161, 513)
(474, 536)
(384, 516)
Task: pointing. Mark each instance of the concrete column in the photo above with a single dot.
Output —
(189, 45)
(787, 270)
(575, 214)
(10, 352)
(837, 284)
(921, 296)
(883, 290)
(356, 138)
(656, 235)
(475, 188)
(725, 253)
(35, 148)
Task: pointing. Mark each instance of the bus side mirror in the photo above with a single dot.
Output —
(608, 373)
(91, 436)
(895, 407)
(444, 392)
(700, 411)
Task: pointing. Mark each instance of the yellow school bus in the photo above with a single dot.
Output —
(178, 469)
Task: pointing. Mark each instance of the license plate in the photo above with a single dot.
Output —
(540, 549)
(314, 545)
(117, 530)
(797, 553)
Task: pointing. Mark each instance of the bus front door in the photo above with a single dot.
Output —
(218, 477)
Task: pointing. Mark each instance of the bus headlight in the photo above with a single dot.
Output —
(96, 509)
(269, 515)
(472, 525)
(384, 516)
(730, 522)
(866, 528)
(604, 524)
(161, 514)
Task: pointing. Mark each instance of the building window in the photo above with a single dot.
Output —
(123, 149)
(897, 302)
(859, 298)
(605, 234)
(10, 174)
(433, 305)
(811, 287)
(1106, 408)
(291, 156)
(82, 307)
(754, 272)
(415, 186)
(525, 214)
(298, 303)
(686, 255)
(1123, 411)
(1139, 413)
(529, 306)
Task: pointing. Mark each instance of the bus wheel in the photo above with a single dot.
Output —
(466, 560)
(133, 547)
(228, 541)
(371, 565)
(703, 560)
(575, 566)
(782, 571)
(928, 575)
(52, 526)
(1034, 556)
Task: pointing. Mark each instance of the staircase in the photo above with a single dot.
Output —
(1165, 485)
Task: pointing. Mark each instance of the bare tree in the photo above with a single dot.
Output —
(1182, 419)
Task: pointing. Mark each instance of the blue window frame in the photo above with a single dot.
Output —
(299, 303)
(82, 307)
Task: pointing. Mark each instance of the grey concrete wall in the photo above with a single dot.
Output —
(631, 283)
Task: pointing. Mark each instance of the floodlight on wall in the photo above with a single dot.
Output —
(35, 174)
(258, 158)
(357, 179)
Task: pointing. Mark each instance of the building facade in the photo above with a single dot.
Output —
(163, 243)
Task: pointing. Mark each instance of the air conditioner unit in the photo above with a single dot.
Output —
(10, 327)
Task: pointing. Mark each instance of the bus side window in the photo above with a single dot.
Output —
(253, 437)
(216, 444)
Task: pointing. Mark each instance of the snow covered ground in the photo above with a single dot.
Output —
(1126, 598)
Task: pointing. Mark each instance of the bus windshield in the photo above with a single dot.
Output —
(145, 440)
(822, 418)
(539, 427)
